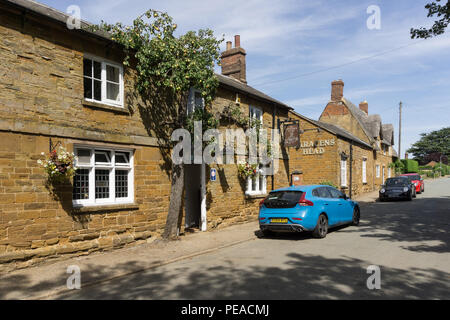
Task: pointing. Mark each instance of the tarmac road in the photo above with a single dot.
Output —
(409, 241)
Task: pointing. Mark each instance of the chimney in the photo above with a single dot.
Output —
(337, 90)
(233, 60)
(364, 106)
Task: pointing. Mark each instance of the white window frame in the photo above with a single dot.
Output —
(112, 167)
(389, 172)
(253, 111)
(364, 170)
(191, 101)
(104, 63)
(343, 173)
(378, 171)
(259, 189)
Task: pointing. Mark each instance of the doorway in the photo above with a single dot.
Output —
(195, 197)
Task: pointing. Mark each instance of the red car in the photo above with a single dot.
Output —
(417, 180)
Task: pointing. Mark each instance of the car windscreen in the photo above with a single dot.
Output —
(283, 199)
(396, 182)
(414, 178)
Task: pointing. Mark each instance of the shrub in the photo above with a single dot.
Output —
(411, 166)
(328, 183)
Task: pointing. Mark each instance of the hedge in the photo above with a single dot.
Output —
(411, 166)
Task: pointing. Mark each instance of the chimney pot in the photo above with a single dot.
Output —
(337, 90)
(364, 106)
(237, 41)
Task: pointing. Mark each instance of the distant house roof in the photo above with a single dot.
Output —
(372, 125)
(388, 134)
(334, 130)
(431, 164)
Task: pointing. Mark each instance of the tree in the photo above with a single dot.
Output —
(439, 26)
(435, 141)
(167, 68)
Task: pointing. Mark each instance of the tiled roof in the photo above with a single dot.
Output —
(246, 89)
(334, 130)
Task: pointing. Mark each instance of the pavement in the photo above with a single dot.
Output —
(48, 281)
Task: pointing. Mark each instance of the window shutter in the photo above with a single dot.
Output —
(343, 173)
(364, 171)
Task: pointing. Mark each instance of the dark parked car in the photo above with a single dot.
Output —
(398, 188)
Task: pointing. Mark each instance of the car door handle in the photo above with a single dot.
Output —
(340, 204)
(326, 204)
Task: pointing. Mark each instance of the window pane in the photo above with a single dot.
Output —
(102, 156)
(121, 183)
(84, 156)
(122, 158)
(97, 70)
(112, 74)
(81, 184)
(323, 192)
(198, 100)
(101, 184)
(254, 184)
(112, 91)
(261, 182)
(87, 67)
(335, 193)
(88, 88)
(97, 90)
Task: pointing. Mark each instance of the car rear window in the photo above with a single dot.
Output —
(414, 178)
(283, 199)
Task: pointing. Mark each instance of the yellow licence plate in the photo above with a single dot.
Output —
(279, 220)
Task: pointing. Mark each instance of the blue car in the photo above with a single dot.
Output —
(307, 208)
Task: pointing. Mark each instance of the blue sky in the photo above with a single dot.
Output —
(312, 43)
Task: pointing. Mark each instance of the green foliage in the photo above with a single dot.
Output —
(411, 166)
(233, 115)
(328, 183)
(246, 170)
(439, 26)
(398, 166)
(435, 141)
(205, 116)
(441, 170)
(165, 61)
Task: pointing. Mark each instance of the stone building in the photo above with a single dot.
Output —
(346, 147)
(70, 88)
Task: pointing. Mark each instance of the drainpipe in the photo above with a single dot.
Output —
(351, 169)
(273, 128)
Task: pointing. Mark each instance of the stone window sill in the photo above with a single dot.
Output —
(105, 107)
(256, 196)
(105, 208)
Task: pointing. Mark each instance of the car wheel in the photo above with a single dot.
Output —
(356, 217)
(321, 229)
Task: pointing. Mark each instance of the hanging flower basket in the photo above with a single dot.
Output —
(59, 165)
(247, 170)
